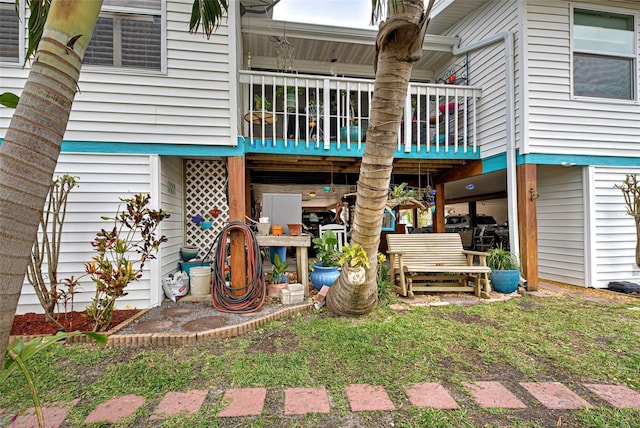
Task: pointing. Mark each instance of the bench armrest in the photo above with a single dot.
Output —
(475, 253)
(482, 257)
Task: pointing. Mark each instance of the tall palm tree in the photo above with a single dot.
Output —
(398, 46)
(31, 146)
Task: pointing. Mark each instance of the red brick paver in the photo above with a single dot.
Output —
(493, 394)
(554, 395)
(431, 394)
(54, 417)
(617, 395)
(175, 402)
(115, 409)
(364, 397)
(300, 401)
(243, 402)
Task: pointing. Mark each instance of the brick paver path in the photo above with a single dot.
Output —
(362, 397)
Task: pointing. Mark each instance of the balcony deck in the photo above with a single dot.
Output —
(309, 115)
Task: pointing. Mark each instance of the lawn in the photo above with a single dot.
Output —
(560, 339)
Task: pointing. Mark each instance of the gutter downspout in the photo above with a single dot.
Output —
(509, 70)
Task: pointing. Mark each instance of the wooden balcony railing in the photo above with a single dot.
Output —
(325, 112)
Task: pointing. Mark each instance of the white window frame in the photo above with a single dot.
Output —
(634, 58)
(163, 39)
(22, 37)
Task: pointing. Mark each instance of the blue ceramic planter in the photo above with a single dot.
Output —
(353, 133)
(504, 281)
(323, 276)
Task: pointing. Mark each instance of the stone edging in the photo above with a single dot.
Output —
(173, 339)
(160, 339)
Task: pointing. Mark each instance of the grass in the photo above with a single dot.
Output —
(563, 339)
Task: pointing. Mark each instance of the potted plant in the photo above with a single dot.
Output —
(290, 96)
(261, 103)
(276, 280)
(354, 261)
(505, 270)
(354, 131)
(326, 269)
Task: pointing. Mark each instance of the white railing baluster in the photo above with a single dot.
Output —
(407, 121)
(250, 121)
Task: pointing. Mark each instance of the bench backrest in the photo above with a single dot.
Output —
(431, 249)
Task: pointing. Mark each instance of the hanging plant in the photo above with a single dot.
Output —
(630, 188)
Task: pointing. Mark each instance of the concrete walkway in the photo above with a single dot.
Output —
(246, 402)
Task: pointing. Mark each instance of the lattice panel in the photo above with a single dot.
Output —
(205, 189)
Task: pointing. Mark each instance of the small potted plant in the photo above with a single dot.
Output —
(276, 279)
(261, 103)
(353, 132)
(326, 269)
(354, 261)
(505, 270)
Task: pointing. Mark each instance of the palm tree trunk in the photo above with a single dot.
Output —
(30, 149)
(398, 45)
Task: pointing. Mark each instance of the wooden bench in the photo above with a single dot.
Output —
(436, 262)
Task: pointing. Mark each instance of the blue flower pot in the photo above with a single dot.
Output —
(504, 281)
(323, 276)
(280, 251)
(353, 131)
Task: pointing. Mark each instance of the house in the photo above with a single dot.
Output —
(533, 103)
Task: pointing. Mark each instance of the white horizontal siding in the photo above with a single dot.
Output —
(561, 225)
(556, 123)
(172, 199)
(190, 104)
(487, 69)
(615, 232)
(102, 181)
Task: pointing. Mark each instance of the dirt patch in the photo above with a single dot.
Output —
(31, 324)
(282, 341)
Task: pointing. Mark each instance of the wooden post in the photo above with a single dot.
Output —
(438, 220)
(237, 204)
(528, 223)
(473, 212)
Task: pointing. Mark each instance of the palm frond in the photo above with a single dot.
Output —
(207, 13)
(38, 11)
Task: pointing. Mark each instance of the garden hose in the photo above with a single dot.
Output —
(249, 297)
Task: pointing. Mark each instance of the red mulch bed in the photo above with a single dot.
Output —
(35, 324)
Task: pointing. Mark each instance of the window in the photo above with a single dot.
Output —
(604, 54)
(9, 32)
(128, 34)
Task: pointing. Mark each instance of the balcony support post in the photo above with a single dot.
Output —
(237, 204)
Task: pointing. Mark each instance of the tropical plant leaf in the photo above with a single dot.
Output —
(26, 350)
(9, 100)
(207, 13)
(38, 11)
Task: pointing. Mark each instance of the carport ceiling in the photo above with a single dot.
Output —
(479, 187)
(277, 169)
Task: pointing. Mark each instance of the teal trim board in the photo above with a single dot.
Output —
(581, 160)
(161, 149)
(289, 147)
(499, 162)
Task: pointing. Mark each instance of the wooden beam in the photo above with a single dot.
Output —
(528, 223)
(438, 220)
(237, 204)
(469, 169)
